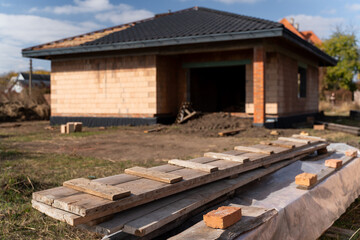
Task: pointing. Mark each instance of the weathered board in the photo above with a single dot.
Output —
(228, 157)
(86, 207)
(98, 189)
(193, 165)
(154, 175)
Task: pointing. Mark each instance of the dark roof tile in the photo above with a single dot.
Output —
(187, 23)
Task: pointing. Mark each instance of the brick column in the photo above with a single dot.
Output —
(259, 86)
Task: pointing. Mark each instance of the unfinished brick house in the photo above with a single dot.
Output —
(140, 73)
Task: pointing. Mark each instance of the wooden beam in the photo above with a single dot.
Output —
(289, 139)
(230, 132)
(194, 165)
(279, 144)
(253, 150)
(313, 138)
(154, 130)
(97, 189)
(154, 175)
(227, 157)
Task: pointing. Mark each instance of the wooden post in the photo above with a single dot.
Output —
(30, 77)
(188, 89)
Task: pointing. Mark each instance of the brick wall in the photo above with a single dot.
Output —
(111, 87)
(289, 103)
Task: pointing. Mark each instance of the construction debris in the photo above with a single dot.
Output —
(168, 189)
(326, 172)
(185, 113)
(341, 128)
(230, 132)
(158, 129)
(274, 133)
(319, 126)
(70, 127)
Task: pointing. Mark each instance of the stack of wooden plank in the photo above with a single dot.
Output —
(131, 201)
(342, 128)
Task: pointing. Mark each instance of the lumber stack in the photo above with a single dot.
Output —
(130, 201)
(342, 128)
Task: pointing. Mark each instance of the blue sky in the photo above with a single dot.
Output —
(25, 23)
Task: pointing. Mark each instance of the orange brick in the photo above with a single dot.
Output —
(63, 128)
(351, 153)
(223, 217)
(333, 163)
(306, 179)
(319, 127)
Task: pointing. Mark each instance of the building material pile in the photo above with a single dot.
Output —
(341, 128)
(142, 201)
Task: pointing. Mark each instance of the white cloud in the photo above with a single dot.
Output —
(353, 7)
(21, 31)
(85, 6)
(5, 4)
(321, 26)
(118, 17)
(238, 1)
(329, 11)
(104, 9)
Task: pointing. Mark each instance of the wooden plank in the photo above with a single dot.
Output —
(153, 175)
(230, 132)
(253, 150)
(318, 157)
(271, 148)
(98, 189)
(188, 117)
(227, 157)
(158, 214)
(279, 143)
(314, 138)
(194, 165)
(154, 130)
(289, 139)
(324, 173)
(144, 190)
(55, 213)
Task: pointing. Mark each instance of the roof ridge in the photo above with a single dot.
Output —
(238, 15)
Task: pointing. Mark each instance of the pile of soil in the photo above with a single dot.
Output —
(17, 111)
(210, 124)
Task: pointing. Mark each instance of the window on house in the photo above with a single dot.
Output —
(301, 80)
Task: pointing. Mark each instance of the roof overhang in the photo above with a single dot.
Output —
(258, 34)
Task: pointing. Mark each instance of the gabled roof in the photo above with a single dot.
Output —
(189, 26)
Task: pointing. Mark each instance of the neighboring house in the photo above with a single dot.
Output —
(21, 82)
(309, 36)
(141, 72)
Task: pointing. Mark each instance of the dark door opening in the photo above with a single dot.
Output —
(218, 89)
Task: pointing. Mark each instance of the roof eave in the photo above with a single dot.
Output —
(276, 32)
(326, 59)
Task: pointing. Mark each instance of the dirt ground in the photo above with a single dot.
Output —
(35, 156)
(131, 143)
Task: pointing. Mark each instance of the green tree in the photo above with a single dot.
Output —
(343, 47)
